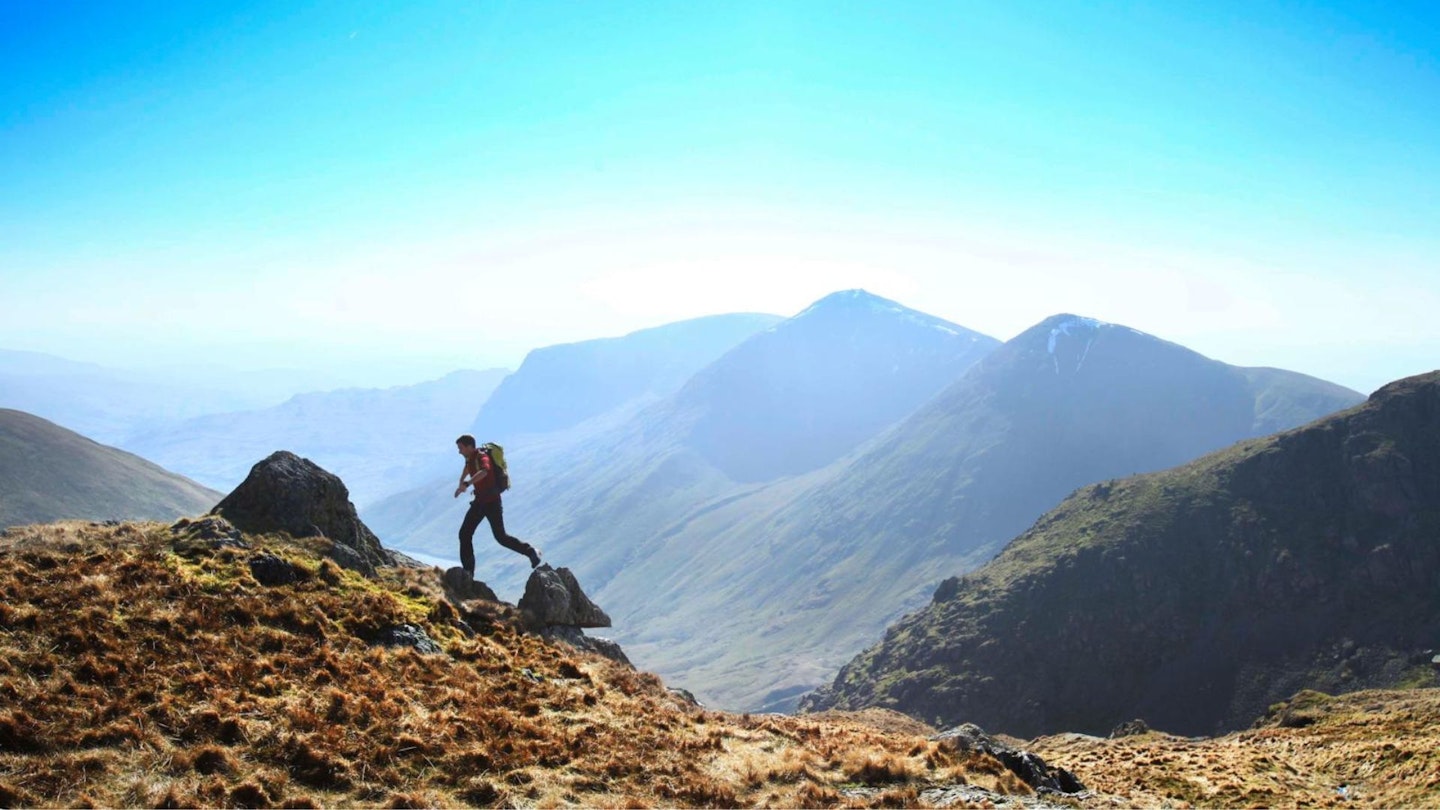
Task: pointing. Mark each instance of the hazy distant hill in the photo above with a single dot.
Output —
(784, 583)
(1193, 597)
(559, 387)
(380, 441)
(111, 404)
(48, 473)
(809, 390)
(593, 497)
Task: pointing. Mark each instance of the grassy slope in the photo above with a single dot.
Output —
(138, 671)
(1194, 595)
(49, 473)
(1365, 749)
(134, 674)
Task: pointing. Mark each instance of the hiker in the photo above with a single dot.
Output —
(480, 476)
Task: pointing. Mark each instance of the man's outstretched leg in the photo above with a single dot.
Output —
(495, 513)
(472, 520)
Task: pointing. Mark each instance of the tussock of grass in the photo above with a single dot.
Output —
(133, 673)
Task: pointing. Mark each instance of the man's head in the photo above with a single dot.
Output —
(466, 445)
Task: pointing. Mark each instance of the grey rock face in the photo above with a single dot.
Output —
(461, 587)
(1030, 768)
(685, 695)
(270, 570)
(286, 493)
(401, 560)
(407, 635)
(1130, 728)
(347, 557)
(553, 597)
(554, 601)
(576, 638)
(206, 534)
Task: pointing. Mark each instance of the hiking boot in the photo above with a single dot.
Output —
(534, 558)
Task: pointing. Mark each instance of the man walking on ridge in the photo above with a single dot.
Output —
(480, 475)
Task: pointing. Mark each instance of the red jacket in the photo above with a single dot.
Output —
(482, 478)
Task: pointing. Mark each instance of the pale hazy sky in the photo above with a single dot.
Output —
(351, 185)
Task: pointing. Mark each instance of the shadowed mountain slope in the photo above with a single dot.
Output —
(785, 583)
(1193, 597)
(49, 473)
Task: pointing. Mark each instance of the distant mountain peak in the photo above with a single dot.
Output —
(860, 303)
(1068, 338)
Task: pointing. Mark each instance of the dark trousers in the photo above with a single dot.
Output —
(495, 512)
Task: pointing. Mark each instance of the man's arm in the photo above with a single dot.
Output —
(480, 475)
(465, 470)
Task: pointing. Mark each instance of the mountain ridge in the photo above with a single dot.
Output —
(49, 473)
(1201, 592)
(1067, 402)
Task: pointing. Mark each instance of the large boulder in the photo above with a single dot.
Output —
(553, 597)
(970, 738)
(461, 586)
(287, 493)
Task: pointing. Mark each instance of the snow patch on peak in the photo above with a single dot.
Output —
(1072, 326)
(1075, 327)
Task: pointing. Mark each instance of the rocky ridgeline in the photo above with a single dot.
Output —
(289, 494)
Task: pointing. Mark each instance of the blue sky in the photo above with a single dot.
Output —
(348, 186)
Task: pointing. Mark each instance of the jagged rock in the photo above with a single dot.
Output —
(407, 635)
(553, 597)
(461, 587)
(1030, 768)
(576, 638)
(270, 570)
(685, 695)
(1133, 728)
(399, 560)
(347, 557)
(206, 534)
(286, 493)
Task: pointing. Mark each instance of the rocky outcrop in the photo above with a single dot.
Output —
(576, 637)
(407, 635)
(558, 609)
(553, 597)
(286, 493)
(1032, 770)
(460, 586)
(206, 534)
(269, 570)
(1130, 728)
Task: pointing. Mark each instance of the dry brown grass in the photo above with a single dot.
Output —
(1381, 747)
(133, 675)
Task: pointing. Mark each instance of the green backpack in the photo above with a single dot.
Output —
(497, 464)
